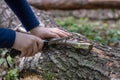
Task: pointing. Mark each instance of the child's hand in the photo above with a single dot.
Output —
(27, 44)
(43, 32)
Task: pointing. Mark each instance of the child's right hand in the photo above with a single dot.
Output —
(27, 44)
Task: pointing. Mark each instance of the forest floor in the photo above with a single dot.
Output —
(102, 26)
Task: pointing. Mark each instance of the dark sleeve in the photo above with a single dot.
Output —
(23, 11)
(7, 38)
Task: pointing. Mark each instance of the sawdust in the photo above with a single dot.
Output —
(31, 76)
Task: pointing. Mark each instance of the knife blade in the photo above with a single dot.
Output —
(63, 41)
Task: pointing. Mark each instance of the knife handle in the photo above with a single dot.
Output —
(45, 44)
(14, 53)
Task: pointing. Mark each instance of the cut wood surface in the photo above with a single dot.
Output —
(74, 4)
(68, 63)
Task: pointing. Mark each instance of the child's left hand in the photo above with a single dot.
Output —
(43, 32)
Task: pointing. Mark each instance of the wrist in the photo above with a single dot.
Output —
(36, 29)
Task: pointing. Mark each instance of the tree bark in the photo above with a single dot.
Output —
(68, 63)
(74, 4)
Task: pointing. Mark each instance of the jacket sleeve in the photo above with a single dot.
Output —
(7, 38)
(23, 11)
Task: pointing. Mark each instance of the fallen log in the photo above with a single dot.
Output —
(74, 4)
(68, 63)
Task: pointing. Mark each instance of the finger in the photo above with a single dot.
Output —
(29, 52)
(35, 49)
(23, 54)
(66, 33)
(39, 43)
(53, 35)
(59, 33)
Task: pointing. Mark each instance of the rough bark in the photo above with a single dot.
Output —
(68, 63)
(74, 4)
(7, 18)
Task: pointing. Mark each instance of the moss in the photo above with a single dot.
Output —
(99, 31)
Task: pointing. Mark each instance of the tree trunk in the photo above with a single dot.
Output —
(68, 63)
(74, 4)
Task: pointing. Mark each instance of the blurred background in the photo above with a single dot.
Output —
(98, 20)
